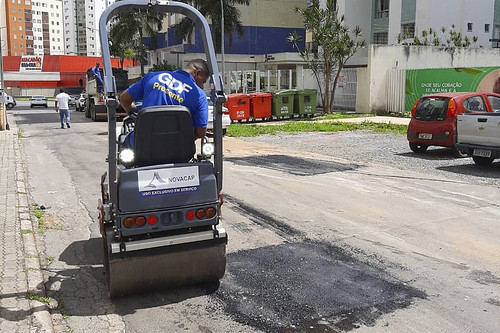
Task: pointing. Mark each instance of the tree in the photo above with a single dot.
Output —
(164, 66)
(212, 9)
(127, 32)
(333, 44)
(430, 38)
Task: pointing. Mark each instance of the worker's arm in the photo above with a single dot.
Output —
(127, 102)
(199, 132)
(57, 109)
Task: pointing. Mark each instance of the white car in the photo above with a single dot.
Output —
(10, 102)
(38, 100)
(80, 103)
(226, 120)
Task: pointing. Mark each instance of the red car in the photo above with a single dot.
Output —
(434, 118)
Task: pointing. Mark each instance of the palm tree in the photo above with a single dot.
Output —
(212, 9)
(128, 29)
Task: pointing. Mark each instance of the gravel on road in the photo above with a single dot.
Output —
(367, 147)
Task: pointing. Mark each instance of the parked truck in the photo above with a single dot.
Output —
(478, 135)
(95, 105)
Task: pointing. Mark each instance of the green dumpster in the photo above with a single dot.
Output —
(305, 102)
(283, 101)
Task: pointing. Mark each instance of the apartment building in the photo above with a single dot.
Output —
(81, 26)
(33, 27)
(55, 27)
(384, 21)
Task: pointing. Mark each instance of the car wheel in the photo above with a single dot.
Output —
(31, 106)
(10, 106)
(458, 153)
(417, 147)
(46, 105)
(224, 130)
(482, 160)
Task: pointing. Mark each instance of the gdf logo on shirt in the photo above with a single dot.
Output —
(174, 84)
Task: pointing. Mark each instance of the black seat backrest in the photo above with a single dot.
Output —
(164, 134)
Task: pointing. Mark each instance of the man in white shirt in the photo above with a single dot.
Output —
(62, 105)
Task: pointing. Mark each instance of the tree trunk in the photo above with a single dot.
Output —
(141, 52)
(328, 71)
(335, 80)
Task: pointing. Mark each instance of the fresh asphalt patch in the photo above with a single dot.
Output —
(293, 165)
(308, 287)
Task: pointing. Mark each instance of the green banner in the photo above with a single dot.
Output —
(433, 81)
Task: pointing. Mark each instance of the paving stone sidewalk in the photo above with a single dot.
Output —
(23, 306)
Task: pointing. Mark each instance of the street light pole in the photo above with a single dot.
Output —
(222, 42)
(3, 115)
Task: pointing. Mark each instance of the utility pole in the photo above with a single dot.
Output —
(222, 42)
(3, 111)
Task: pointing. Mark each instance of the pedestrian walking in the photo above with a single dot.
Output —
(62, 105)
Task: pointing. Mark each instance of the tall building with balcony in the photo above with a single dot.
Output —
(81, 26)
(389, 21)
(33, 27)
(38, 27)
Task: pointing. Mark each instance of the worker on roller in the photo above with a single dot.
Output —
(180, 87)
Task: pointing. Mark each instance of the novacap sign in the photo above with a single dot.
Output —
(432, 81)
(31, 63)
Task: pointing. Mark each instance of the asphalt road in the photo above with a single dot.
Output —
(317, 242)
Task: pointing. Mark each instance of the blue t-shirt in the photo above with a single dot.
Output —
(172, 88)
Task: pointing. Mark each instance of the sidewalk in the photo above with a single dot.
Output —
(21, 281)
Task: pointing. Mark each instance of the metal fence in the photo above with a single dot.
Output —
(345, 93)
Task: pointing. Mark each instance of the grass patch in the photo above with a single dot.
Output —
(19, 133)
(341, 115)
(26, 231)
(38, 213)
(33, 297)
(250, 130)
(63, 311)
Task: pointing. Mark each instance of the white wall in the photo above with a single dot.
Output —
(382, 58)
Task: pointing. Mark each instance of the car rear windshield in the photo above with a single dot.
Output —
(432, 108)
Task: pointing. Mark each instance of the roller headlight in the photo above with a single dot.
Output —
(208, 149)
(126, 156)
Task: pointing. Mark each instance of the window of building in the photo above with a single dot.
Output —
(408, 30)
(382, 8)
(469, 26)
(14, 18)
(380, 38)
(27, 2)
(486, 27)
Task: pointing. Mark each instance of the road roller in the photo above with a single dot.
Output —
(160, 205)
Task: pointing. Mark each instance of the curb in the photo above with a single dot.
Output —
(41, 318)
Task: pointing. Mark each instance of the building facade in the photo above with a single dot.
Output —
(51, 27)
(391, 22)
(33, 27)
(81, 22)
